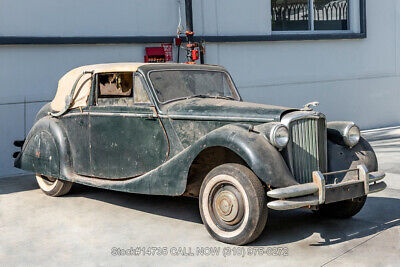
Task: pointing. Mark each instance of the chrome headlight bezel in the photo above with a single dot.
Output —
(344, 133)
(279, 136)
(351, 135)
(273, 131)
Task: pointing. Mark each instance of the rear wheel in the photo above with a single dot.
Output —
(232, 204)
(342, 209)
(52, 186)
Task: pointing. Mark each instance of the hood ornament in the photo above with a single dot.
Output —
(308, 106)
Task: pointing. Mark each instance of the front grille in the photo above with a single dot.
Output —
(307, 147)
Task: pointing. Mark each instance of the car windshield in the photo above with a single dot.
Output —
(170, 85)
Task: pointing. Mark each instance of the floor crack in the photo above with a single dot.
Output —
(365, 241)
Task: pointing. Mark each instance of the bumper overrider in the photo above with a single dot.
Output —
(317, 192)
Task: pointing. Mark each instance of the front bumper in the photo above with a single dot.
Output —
(317, 192)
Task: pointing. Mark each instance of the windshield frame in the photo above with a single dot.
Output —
(191, 69)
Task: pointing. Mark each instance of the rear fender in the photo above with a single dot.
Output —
(46, 149)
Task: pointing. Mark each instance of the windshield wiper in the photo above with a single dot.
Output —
(225, 97)
(198, 96)
(202, 96)
(211, 96)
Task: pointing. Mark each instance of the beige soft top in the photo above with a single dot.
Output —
(82, 90)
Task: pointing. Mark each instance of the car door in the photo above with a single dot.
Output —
(127, 139)
(76, 124)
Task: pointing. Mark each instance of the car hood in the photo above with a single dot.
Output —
(224, 110)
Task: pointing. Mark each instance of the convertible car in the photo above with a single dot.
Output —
(180, 129)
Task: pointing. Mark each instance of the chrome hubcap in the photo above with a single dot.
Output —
(227, 205)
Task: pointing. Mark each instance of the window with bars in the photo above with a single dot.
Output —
(310, 15)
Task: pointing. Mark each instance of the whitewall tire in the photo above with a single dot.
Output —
(52, 186)
(232, 204)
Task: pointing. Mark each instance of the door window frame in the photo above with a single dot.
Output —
(95, 90)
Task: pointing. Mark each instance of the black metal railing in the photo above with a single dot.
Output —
(291, 12)
(332, 11)
(299, 11)
(327, 15)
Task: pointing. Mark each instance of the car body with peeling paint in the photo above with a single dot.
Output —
(180, 129)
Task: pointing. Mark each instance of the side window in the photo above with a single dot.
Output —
(140, 94)
(115, 89)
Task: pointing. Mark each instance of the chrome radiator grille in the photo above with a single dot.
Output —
(307, 147)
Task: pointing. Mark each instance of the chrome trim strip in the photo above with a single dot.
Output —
(215, 118)
(121, 114)
(175, 117)
(75, 114)
(298, 115)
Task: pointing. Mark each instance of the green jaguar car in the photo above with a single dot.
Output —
(184, 130)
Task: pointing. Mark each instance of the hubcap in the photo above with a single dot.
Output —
(227, 205)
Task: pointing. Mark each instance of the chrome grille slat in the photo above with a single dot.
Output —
(307, 147)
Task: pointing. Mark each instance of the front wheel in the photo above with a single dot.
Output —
(52, 186)
(342, 209)
(232, 204)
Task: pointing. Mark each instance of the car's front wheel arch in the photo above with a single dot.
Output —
(204, 162)
(244, 147)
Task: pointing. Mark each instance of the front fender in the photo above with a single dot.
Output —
(262, 158)
(344, 158)
(46, 149)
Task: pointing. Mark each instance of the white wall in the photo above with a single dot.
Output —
(353, 79)
(88, 17)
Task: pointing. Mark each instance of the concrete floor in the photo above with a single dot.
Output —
(83, 227)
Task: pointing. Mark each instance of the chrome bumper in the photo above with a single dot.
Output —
(317, 193)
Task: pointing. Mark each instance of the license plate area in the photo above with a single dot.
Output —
(344, 191)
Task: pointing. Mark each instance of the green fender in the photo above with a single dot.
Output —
(46, 150)
(258, 153)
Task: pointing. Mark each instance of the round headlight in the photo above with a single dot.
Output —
(279, 136)
(352, 135)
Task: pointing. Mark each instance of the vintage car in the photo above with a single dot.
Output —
(182, 129)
